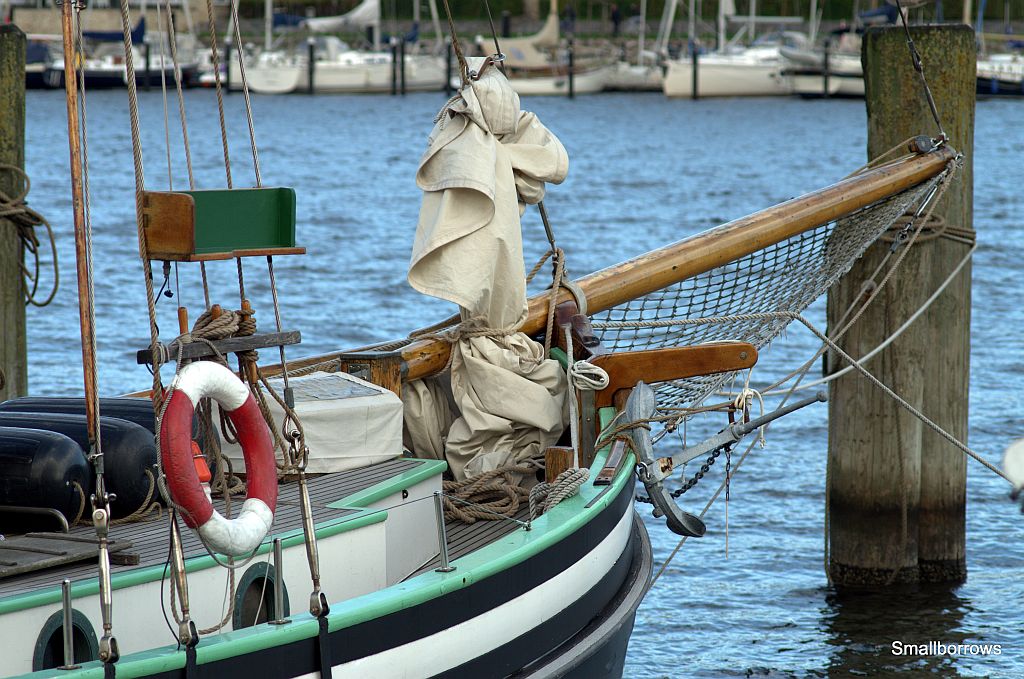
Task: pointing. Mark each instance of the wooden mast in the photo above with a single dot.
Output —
(82, 252)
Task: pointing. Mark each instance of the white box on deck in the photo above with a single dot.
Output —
(348, 422)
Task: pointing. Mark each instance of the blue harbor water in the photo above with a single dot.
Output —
(645, 171)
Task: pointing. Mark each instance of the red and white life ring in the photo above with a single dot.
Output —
(243, 534)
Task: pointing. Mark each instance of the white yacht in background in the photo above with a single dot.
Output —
(538, 64)
(336, 67)
(644, 74)
(732, 70)
(1001, 74)
(751, 72)
(103, 66)
(803, 70)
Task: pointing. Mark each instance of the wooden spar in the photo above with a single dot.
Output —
(700, 253)
(85, 298)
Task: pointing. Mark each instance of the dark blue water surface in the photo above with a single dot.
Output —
(644, 171)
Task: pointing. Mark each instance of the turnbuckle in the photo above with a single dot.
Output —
(108, 650)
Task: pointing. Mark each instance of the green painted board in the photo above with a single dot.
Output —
(243, 219)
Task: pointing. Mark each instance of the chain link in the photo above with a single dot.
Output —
(695, 479)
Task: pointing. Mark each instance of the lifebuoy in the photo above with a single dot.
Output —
(243, 534)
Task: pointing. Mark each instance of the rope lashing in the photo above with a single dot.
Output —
(545, 495)
(475, 326)
(15, 210)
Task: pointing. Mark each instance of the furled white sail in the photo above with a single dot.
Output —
(485, 161)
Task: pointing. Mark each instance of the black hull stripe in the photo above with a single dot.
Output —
(511, 657)
(430, 617)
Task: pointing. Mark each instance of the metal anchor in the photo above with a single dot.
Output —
(653, 471)
(640, 406)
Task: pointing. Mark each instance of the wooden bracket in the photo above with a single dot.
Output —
(194, 226)
(383, 368)
(627, 368)
(228, 345)
(556, 460)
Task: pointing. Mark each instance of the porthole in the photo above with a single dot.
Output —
(254, 597)
(49, 650)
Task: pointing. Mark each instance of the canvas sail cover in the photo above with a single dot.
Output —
(486, 159)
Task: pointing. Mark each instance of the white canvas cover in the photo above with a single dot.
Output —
(486, 159)
(348, 423)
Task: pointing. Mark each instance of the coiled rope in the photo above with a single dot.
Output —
(15, 210)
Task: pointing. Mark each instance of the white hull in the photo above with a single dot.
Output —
(363, 72)
(628, 77)
(422, 73)
(813, 85)
(802, 73)
(269, 78)
(586, 82)
(1003, 68)
(724, 76)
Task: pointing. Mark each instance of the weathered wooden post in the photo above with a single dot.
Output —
(12, 152)
(896, 490)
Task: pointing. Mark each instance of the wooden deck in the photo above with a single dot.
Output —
(464, 538)
(150, 538)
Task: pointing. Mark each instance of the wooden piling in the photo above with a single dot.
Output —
(896, 490)
(13, 363)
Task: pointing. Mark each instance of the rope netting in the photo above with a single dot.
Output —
(786, 277)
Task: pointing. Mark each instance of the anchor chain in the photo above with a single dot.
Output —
(695, 479)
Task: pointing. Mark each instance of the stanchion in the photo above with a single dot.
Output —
(394, 67)
(825, 70)
(401, 65)
(146, 84)
(694, 70)
(572, 69)
(448, 71)
(227, 66)
(311, 64)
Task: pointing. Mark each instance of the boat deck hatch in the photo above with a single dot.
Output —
(36, 551)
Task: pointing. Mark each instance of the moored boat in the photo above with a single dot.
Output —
(549, 587)
(1001, 74)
